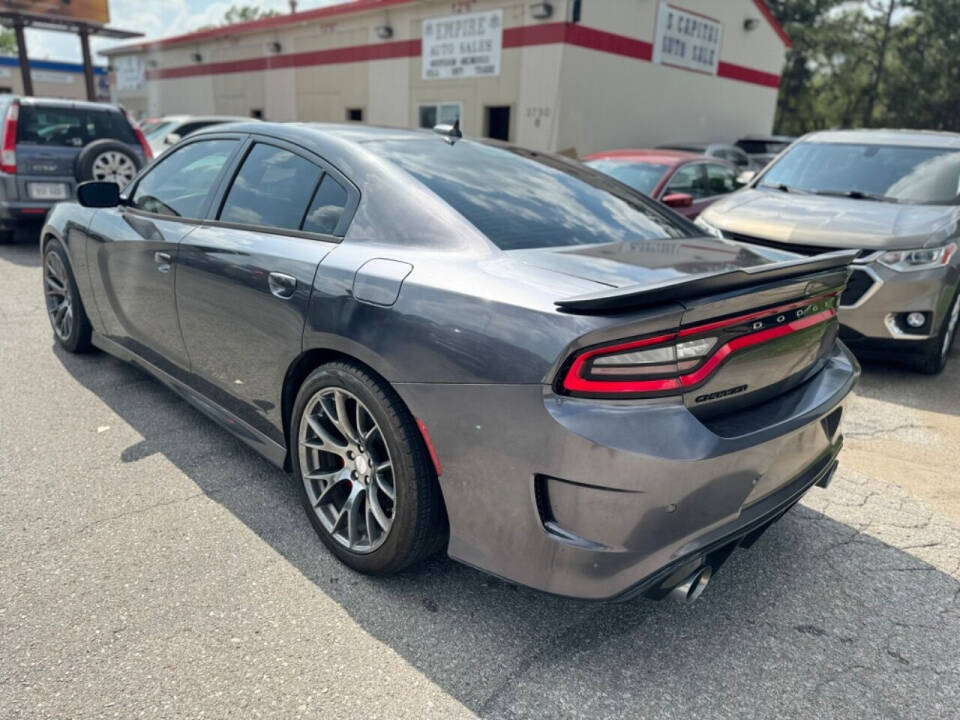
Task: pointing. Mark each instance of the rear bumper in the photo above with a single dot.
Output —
(604, 500)
(13, 212)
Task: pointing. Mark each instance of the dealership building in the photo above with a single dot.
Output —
(581, 75)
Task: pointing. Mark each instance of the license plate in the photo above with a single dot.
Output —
(47, 191)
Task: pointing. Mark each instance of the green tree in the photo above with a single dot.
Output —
(245, 13)
(8, 42)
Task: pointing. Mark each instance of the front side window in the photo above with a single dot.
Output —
(272, 189)
(893, 173)
(721, 179)
(689, 180)
(182, 182)
(522, 199)
(642, 177)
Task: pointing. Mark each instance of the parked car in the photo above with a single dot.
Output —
(891, 195)
(50, 145)
(169, 130)
(463, 344)
(761, 149)
(723, 151)
(684, 181)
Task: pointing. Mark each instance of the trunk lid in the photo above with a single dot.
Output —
(768, 325)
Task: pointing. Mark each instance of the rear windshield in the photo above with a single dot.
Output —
(521, 199)
(642, 177)
(71, 127)
(881, 172)
(762, 147)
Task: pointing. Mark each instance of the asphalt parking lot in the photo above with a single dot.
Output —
(152, 566)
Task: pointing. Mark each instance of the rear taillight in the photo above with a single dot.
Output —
(673, 363)
(144, 145)
(8, 145)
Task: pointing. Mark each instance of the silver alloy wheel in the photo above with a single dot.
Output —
(347, 470)
(952, 323)
(114, 166)
(56, 289)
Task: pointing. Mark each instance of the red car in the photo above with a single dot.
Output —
(685, 181)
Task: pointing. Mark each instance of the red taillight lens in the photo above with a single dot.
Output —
(8, 146)
(141, 138)
(676, 362)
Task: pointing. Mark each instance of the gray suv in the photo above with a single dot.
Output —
(49, 146)
(894, 195)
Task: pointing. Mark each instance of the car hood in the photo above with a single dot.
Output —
(832, 222)
(642, 262)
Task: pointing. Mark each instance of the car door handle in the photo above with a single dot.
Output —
(163, 260)
(282, 285)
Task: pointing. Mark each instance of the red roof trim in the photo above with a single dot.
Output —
(345, 8)
(545, 34)
(777, 27)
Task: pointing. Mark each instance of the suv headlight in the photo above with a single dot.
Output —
(922, 259)
(707, 227)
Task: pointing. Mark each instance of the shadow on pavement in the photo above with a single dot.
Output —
(816, 619)
(895, 384)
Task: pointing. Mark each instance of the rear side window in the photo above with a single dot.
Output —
(71, 127)
(522, 199)
(181, 183)
(272, 189)
(326, 207)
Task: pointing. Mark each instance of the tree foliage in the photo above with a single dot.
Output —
(8, 42)
(245, 13)
(873, 63)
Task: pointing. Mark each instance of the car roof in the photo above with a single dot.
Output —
(60, 102)
(917, 138)
(651, 156)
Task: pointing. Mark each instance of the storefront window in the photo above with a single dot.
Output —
(440, 114)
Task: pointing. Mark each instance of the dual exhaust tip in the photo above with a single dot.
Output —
(692, 588)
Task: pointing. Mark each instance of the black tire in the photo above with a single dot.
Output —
(419, 524)
(937, 350)
(77, 340)
(84, 166)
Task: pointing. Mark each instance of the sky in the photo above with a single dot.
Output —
(154, 18)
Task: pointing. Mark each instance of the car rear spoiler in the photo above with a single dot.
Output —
(637, 296)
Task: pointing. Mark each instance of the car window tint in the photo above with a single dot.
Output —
(642, 177)
(272, 189)
(326, 207)
(70, 127)
(721, 179)
(524, 199)
(180, 184)
(689, 180)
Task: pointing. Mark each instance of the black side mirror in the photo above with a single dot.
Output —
(98, 194)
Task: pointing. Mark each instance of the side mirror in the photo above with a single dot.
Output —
(172, 139)
(98, 194)
(746, 177)
(678, 200)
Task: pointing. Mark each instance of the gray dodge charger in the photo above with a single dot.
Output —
(463, 345)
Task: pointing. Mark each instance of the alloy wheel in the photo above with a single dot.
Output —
(59, 299)
(952, 323)
(114, 166)
(347, 470)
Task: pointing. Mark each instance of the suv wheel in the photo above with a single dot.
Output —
(938, 348)
(109, 161)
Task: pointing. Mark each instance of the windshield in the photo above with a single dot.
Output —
(522, 199)
(158, 130)
(883, 172)
(642, 177)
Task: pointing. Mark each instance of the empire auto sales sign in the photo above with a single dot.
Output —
(465, 45)
(687, 40)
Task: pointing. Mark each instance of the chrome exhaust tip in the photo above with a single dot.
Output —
(693, 587)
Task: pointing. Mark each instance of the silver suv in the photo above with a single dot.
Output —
(894, 195)
(49, 146)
